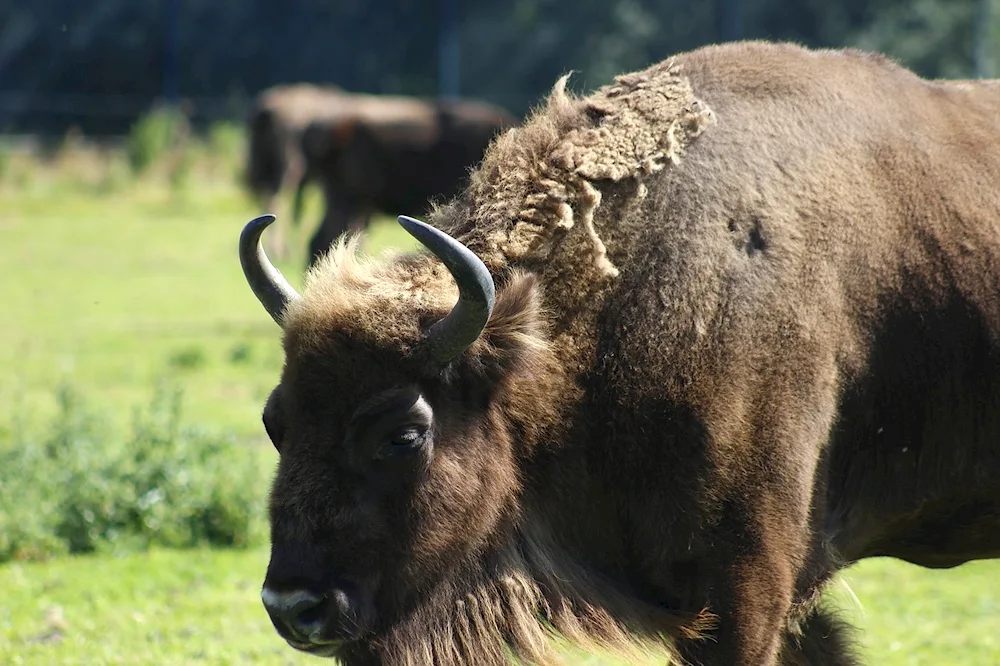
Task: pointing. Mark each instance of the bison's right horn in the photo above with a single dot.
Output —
(267, 283)
(452, 335)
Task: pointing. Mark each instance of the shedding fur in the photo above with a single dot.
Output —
(521, 605)
(538, 181)
(561, 194)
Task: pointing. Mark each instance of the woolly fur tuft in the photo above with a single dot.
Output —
(540, 182)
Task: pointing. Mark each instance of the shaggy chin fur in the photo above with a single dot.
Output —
(519, 602)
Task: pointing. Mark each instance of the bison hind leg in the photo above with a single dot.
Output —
(820, 639)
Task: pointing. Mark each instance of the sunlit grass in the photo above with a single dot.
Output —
(178, 607)
(114, 292)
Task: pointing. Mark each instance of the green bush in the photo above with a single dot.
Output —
(80, 487)
(5, 161)
(226, 140)
(153, 136)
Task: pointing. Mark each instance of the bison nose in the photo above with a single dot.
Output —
(299, 612)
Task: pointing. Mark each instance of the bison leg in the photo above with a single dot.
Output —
(276, 240)
(329, 230)
(293, 178)
(338, 219)
(819, 640)
(754, 560)
(752, 598)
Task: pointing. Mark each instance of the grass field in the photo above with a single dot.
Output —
(114, 292)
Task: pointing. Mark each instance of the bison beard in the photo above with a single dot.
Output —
(744, 320)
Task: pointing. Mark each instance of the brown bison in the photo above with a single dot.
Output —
(393, 154)
(274, 127)
(682, 350)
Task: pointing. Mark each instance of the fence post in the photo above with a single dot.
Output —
(730, 20)
(448, 49)
(982, 56)
(171, 52)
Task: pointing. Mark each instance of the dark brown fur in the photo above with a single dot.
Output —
(747, 333)
(394, 155)
(274, 127)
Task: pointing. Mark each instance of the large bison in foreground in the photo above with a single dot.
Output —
(393, 154)
(682, 350)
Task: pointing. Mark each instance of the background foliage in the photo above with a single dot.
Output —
(98, 65)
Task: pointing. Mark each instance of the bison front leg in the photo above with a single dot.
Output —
(750, 587)
(755, 555)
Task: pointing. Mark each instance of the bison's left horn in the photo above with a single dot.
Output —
(267, 283)
(452, 335)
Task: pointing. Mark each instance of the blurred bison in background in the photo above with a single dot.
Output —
(682, 350)
(274, 125)
(393, 154)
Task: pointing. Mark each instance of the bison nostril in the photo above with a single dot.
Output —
(298, 610)
(310, 614)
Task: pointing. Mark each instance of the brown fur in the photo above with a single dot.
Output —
(274, 124)
(274, 127)
(395, 154)
(280, 116)
(746, 334)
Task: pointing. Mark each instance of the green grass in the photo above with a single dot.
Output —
(113, 293)
(114, 285)
(181, 607)
(160, 607)
(917, 617)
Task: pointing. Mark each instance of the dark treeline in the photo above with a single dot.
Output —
(97, 65)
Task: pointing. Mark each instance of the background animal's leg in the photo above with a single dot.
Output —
(299, 201)
(291, 181)
(338, 218)
(277, 242)
(359, 222)
(331, 227)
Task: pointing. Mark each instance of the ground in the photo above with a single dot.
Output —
(113, 287)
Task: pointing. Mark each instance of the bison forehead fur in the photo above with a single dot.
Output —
(746, 333)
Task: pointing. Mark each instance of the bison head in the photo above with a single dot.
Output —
(398, 463)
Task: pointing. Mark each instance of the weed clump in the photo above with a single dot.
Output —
(81, 487)
(154, 136)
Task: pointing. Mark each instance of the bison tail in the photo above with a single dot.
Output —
(820, 639)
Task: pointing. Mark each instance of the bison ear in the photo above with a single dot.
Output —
(515, 334)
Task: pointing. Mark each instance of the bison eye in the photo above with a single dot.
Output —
(403, 443)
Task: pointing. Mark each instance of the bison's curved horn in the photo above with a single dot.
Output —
(476, 292)
(267, 283)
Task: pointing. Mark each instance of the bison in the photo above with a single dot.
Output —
(274, 127)
(393, 154)
(682, 349)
